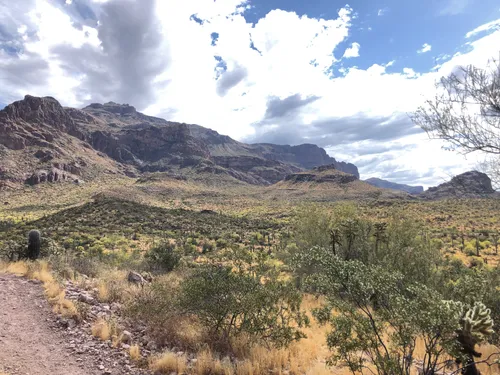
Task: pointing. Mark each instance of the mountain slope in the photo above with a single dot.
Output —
(328, 183)
(394, 186)
(472, 184)
(39, 139)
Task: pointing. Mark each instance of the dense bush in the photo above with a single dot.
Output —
(386, 286)
(231, 303)
(163, 257)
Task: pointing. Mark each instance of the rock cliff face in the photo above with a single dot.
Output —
(323, 174)
(118, 139)
(471, 184)
(305, 156)
(394, 186)
(34, 122)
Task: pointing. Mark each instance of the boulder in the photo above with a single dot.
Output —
(136, 278)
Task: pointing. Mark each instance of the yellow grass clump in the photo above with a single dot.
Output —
(101, 329)
(134, 352)
(168, 362)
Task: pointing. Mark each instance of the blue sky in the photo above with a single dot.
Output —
(394, 29)
(343, 76)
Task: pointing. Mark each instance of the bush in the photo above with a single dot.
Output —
(156, 306)
(163, 257)
(230, 304)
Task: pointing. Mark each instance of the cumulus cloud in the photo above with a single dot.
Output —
(352, 51)
(425, 48)
(231, 78)
(282, 108)
(127, 58)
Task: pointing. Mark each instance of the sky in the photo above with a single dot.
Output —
(342, 76)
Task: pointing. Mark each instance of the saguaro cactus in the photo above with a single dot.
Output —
(34, 243)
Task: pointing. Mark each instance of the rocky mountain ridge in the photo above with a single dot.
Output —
(36, 134)
(472, 184)
(378, 182)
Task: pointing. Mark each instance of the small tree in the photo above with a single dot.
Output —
(466, 113)
(378, 320)
(164, 257)
(231, 303)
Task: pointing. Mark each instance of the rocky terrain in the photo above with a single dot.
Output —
(40, 141)
(378, 182)
(471, 184)
(35, 341)
(323, 174)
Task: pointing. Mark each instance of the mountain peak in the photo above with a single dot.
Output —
(378, 182)
(112, 107)
(468, 184)
(38, 110)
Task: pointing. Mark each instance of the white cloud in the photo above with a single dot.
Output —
(262, 61)
(488, 27)
(352, 51)
(382, 11)
(425, 48)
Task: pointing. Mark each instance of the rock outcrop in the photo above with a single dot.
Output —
(34, 122)
(384, 184)
(306, 156)
(471, 184)
(323, 174)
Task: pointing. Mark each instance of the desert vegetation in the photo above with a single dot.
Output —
(373, 286)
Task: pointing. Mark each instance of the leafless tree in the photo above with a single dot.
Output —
(466, 113)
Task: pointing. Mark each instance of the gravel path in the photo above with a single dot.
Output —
(33, 343)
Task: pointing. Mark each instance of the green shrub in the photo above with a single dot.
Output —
(231, 303)
(163, 257)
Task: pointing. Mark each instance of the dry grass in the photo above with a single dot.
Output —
(113, 287)
(103, 292)
(134, 353)
(40, 270)
(18, 268)
(101, 329)
(168, 362)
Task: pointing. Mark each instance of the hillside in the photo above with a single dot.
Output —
(472, 184)
(328, 183)
(42, 141)
(378, 182)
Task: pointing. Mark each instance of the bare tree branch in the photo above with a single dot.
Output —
(466, 110)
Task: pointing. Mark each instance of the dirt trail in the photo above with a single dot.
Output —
(32, 343)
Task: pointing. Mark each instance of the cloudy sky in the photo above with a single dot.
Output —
(282, 71)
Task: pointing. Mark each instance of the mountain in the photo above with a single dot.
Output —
(42, 141)
(394, 186)
(327, 183)
(466, 185)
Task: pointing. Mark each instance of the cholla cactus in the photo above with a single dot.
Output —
(474, 321)
(477, 322)
(474, 325)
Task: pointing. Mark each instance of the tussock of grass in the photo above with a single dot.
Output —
(135, 352)
(168, 362)
(18, 268)
(103, 292)
(101, 329)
